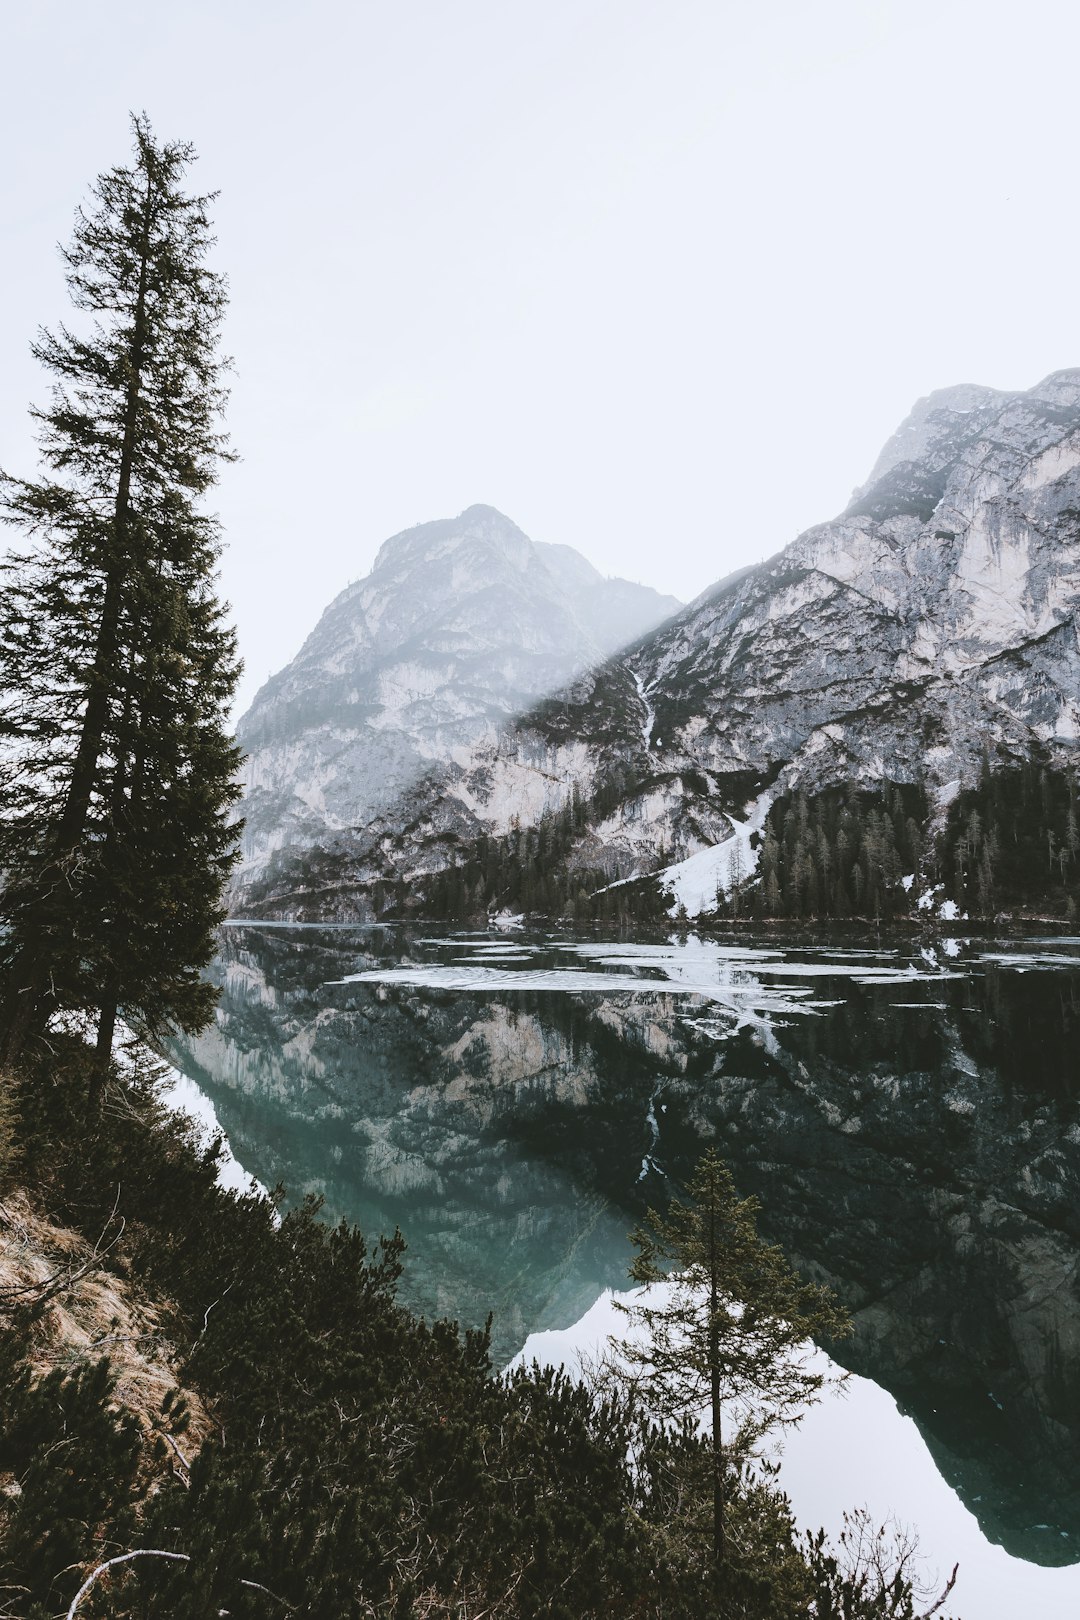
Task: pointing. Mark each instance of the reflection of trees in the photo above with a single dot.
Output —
(920, 1160)
(940, 1200)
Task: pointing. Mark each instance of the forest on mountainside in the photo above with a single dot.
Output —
(1009, 845)
(839, 854)
(1012, 843)
(546, 868)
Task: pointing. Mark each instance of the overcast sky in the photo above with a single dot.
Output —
(656, 279)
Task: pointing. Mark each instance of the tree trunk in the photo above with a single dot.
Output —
(717, 1433)
(102, 675)
(718, 1483)
(24, 1006)
(69, 829)
(102, 1051)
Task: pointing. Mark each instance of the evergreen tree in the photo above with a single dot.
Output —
(115, 660)
(730, 1330)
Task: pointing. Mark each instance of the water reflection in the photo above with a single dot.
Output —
(909, 1125)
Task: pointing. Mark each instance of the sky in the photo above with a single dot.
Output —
(657, 280)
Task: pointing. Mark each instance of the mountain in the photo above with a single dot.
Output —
(461, 624)
(927, 635)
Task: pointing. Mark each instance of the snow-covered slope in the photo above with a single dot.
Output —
(461, 624)
(933, 621)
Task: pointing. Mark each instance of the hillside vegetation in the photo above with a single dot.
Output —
(249, 1397)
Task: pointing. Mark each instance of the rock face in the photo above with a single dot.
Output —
(937, 615)
(932, 623)
(460, 625)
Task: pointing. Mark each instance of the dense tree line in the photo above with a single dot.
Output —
(1010, 843)
(532, 869)
(836, 854)
(1013, 841)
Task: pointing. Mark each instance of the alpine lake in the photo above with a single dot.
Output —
(907, 1112)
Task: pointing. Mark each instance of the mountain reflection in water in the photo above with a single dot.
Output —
(909, 1120)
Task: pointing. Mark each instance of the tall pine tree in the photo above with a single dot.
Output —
(116, 663)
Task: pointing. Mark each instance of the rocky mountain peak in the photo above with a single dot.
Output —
(1061, 388)
(930, 629)
(911, 467)
(928, 632)
(481, 529)
(461, 624)
(910, 475)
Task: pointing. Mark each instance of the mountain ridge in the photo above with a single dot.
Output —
(460, 624)
(928, 628)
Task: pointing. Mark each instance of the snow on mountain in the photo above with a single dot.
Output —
(461, 624)
(935, 621)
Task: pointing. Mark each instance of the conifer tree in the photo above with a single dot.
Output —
(730, 1331)
(116, 662)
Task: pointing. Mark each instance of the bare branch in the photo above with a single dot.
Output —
(167, 1436)
(121, 1558)
(61, 1281)
(206, 1314)
(153, 1552)
(934, 1607)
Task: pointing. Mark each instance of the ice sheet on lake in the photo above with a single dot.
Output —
(440, 976)
(1029, 959)
(752, 986)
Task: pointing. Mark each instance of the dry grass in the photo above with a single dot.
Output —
(89, 1312)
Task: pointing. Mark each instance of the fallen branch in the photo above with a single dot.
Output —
(167, 1436)
(121, 1558)
(61, 1281)
(152, 1552)
(206, 1315)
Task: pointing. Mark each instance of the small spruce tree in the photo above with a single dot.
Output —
(728, 1332)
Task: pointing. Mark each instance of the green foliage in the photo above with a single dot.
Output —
(1013, 842)
(731, 1310)
(362, 1462)
(71, 1460)
(840, 853)
(115, 661)
(366, 1461)
(765, 1576)
(9, 1127)
(728, 1330)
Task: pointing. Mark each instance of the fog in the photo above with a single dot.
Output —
(656, 280)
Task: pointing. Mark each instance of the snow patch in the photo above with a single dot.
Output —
(650, 712)
(697, 882)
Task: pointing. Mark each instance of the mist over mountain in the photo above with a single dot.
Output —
(461, 624)
(927, 634)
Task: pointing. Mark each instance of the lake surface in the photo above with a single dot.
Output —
(908, 1114)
